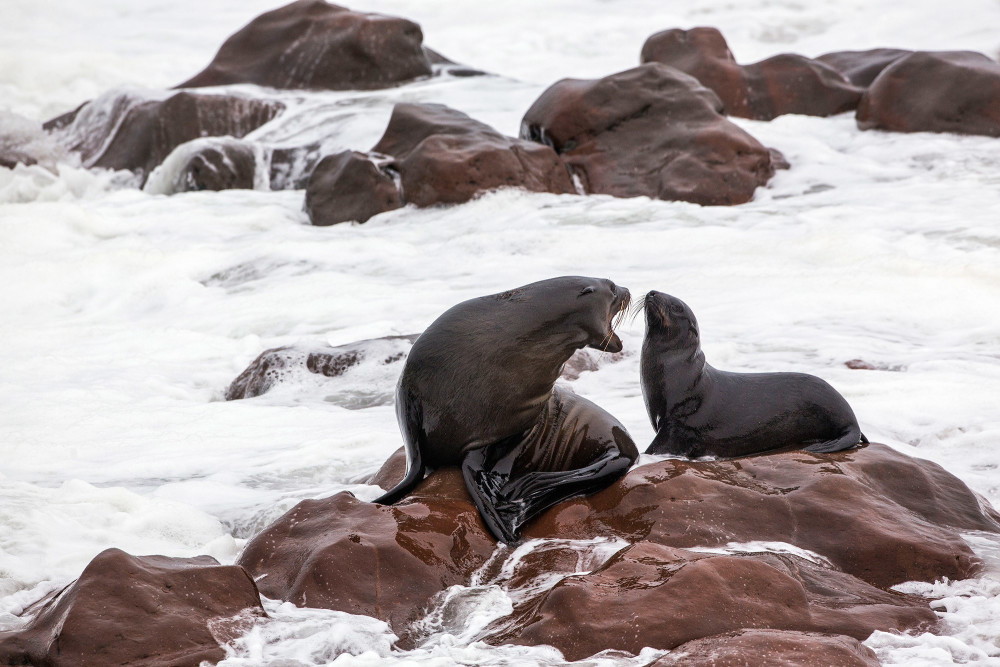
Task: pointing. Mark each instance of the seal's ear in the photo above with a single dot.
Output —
(589, 289)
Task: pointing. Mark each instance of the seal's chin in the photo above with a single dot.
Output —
(614, 344)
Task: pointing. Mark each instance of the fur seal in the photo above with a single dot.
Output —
(478, 391)
(698, 410)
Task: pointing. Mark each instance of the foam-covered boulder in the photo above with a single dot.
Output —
(429, 154)
(212, 163)
(943, 91)
(649, 131)
(861, 67)
(138, 610)
(312, 44)
(783, 84)
(128, 131)
(775, 648)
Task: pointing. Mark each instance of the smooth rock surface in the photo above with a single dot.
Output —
(650, 131)
(138, 610)
(941, 91)
(783, 84)
(774, 648)
(316, 45)
(861, 67)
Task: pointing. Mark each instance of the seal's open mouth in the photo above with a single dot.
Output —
(618, 310)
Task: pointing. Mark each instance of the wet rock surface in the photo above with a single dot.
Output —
(429, 155)
(312, 44)
(138, 610)
(124, 131)
(787, 541)
(861, 67)
(650, 131)
(783, 84)
(776, 648)
(942, 91)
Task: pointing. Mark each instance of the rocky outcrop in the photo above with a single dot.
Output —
(783, 84)
(429, 155)
(861, 67)
(791, 541)
(316, 45)
(946, 91)
(126, 131)
(650, 131)
(778, 648)
(138, 610)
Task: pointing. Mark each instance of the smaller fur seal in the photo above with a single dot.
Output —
(698, 410)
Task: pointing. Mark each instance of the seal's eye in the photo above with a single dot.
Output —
(587, 290)
(676, 308)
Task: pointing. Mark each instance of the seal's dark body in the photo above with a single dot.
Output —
(698, 410)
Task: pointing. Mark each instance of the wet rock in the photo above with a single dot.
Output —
(124, 131)
(429, 155)
(945, 91)
(872, 512)
(315, 45)
(667, 597)
(775, 648)
(861, 67)
(215, 163)
(362, 558)
(650, 131)
(783, 84)
(351, 186)
(862, 365)
(139, 610)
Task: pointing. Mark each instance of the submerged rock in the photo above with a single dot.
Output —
(127, 131)
(944, 91)
(138, 610)
(316, 45)
(650, 131)
(783, 84)
(429, 154)
(786, 541)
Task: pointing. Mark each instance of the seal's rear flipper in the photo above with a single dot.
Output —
(409, 415)
(853, 438)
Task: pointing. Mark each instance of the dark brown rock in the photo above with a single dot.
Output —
(879, 515)
(138, 610)
(861, 67)
(362, 558)
(351, 186)
(124, 132)
(222, 166)
(945, 91)
(774, 648)
(783, 84)
(862, 365)
(315, 45)
(666, 597)
(650, 131)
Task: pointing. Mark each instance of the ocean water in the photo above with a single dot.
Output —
(127, 313)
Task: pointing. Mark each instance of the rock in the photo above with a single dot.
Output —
(315, 45)
(211, 163)
(775, 648)
(783, 84)
(650, 131)
(944, 91)
(288, 364)
(123, 131)
(362, 558)
(872, 512)
(675, 551)
(666, 597)
(138, 610)
(351, 186)
(862, 365)
(861, 67)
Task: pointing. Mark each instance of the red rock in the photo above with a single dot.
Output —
(138, 610)
(877, 514)
(125, 132)
(774, 648)
(650, 131)
(315, 45)
(783, 84)
(382, 561)
(945, 91)
(350, 186)
(651, 595)
(861, 67)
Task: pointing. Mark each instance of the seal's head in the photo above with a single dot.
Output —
(595, 306)
(670, 321)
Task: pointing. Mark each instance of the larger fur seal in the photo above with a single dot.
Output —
(477, 391)
(698, 410)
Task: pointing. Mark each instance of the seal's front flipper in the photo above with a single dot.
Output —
(486, 488)
(853, 438)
